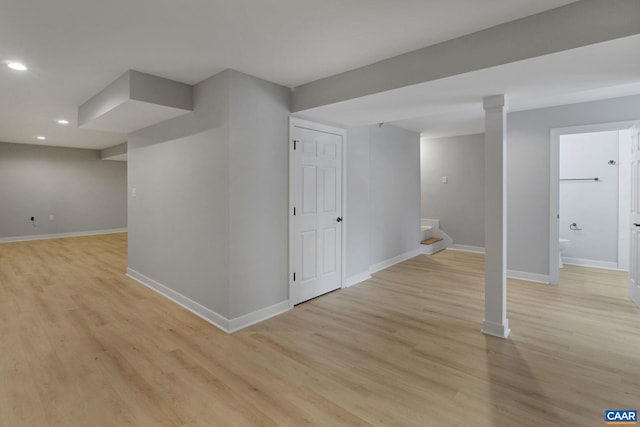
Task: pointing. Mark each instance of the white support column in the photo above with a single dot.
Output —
(495, 288)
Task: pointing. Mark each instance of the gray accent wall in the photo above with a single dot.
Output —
(383, 195)
(82, 192)
(458, 204)
(209, 219)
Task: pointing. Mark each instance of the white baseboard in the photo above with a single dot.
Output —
(221, 322)
(521, 275)
(500, 330)
(61, 235)
(258, 316)
(355, 279)
(467, 248)
(590, 263)
(210, 316)
(395, 260)
(530, 277)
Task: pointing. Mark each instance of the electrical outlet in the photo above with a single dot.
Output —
(51, 217)
(445, 180)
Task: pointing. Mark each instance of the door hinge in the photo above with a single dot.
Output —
(294, 210)
(295, 143)
(294, 276)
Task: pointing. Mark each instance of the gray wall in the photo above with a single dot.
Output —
(357, 215)
(383, 195)
(179, 219)
(459, 204)
(210, 217)
(395, 192)
(259, 194)
(83, 192)
(528, 135)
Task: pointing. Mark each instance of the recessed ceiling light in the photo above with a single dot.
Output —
(63, 122)
(17, 66)
(41, 138)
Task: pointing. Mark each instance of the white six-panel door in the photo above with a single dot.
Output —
(634, 257)
(316, 241)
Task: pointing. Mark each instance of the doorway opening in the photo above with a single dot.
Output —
(595, 199)
(590, 193)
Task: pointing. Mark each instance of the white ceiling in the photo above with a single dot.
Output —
(74, 48)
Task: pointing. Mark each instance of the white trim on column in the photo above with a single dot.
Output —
(500, 330)
(495, 289)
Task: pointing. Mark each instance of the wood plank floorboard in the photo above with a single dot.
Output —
(83, 345)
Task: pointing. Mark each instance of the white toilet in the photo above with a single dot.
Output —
(564, 244)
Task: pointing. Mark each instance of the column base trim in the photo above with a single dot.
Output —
(500, 330)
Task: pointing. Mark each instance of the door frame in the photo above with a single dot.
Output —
(634, 287)
(554, 185)
(293, 122)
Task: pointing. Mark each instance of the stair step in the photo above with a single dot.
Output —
(431, 240)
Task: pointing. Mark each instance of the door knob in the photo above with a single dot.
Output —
(339, 219)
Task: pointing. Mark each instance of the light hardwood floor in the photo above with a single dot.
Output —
(82, 345)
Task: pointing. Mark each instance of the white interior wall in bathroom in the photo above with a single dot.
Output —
(593, 205)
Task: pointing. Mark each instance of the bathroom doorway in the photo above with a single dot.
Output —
(589, 206)
(594, 199)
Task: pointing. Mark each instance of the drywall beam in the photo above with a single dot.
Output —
(134, 101)
(572, 26)
(116, 152)
(495, 288)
